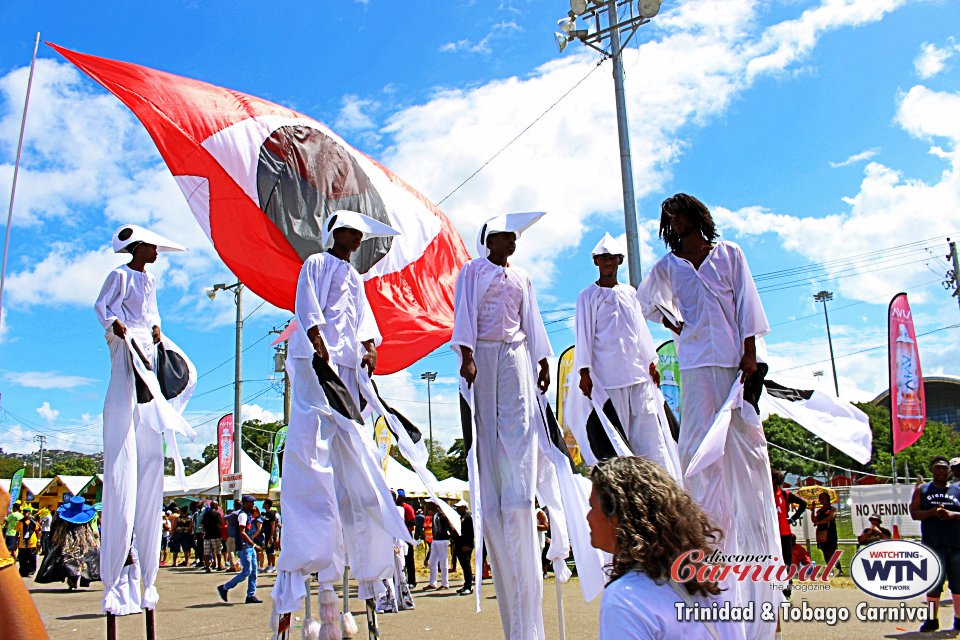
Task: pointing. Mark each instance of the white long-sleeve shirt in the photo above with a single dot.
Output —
(498, 318)
(718, 304)
(330, 295)
(128, 296)
(613, 340)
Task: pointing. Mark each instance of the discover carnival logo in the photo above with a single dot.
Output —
(895, 569)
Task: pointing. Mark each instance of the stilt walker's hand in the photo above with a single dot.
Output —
(369, 361)
(156, 334)
(586, 383)
(543, 380)
(317, 341)
(468, 370)
(748, 365)
(119, 329)
(654, 374)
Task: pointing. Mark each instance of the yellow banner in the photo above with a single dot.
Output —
(564, 379)
(384, 441)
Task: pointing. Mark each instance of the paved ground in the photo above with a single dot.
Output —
(190, 609)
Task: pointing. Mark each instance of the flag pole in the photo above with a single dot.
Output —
(16, 171)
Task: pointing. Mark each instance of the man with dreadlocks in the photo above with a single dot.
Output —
(703, 292)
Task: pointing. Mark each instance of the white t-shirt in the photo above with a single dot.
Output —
(635, 607)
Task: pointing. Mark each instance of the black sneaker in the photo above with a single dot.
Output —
(253, 600)
(222, 590)
(465, 591)
(930, 625)
(956, 624)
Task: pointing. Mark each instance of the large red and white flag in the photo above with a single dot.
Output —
(261, 179)
(908, 406)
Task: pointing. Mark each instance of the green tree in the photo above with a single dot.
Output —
(75, 466)
(456, 460)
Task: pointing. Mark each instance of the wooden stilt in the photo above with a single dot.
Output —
(151, 627)
(111, 627)
(373, 629)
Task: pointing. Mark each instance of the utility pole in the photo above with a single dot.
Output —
(279, 366)
(237, 289)
(608, 25)
(953, 277)
(429, 376)
(43, 441)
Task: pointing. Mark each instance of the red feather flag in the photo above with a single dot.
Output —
(260, 180)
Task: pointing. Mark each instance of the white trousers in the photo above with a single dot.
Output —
(735, 491)
(132, 487)
(640, 409)
(440, 559)
(506, 446)
(337, 508)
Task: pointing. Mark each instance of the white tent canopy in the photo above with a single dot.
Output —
(206, 481)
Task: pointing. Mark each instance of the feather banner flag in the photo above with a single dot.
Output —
(908, 406)
(261, 180)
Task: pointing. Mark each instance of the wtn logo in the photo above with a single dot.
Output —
(902, 570)
(895, 569)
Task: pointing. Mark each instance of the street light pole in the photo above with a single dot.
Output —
(42, 440)
(429, 376)
(824, 297)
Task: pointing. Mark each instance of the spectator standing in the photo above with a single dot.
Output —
(182, 540)
(212, 545)
(259, 537)
(10, 527)
(196, 515)
(29, 542)
(782, 499)
(825, 520)
(165, 538)
(465, 544)
(936, 505)
(271, 529)
(46, 521)
(439, 551)
(247, 551)
(874, 533)
(410, 520)
(231, 520)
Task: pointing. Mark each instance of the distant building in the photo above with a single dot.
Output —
(943, 399)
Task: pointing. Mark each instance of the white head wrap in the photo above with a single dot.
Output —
(130, 234)
(345, 219)
(608, 244)
(506, 223)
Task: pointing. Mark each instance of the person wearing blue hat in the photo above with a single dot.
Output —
(74, 554)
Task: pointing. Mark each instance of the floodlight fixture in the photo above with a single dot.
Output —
(566, 24)
(561, 40)
(648, 8)
(579, 7)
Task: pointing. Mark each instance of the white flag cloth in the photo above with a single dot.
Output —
(838, 423)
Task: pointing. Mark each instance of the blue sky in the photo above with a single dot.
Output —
(815, 130)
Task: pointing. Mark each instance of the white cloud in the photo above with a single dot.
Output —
(855, 158)
(352, 116)
(48, 413)
(47, 380)
(483, 45)
(933, 59)
(256, 412)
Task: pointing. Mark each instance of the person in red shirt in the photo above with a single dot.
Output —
(782, 499)
(801, 557)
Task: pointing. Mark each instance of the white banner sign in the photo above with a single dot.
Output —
(889, 501)
(231, 481)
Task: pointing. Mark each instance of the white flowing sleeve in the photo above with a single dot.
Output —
(656, 295)
(367, 328)
(153, 311)
(108, 302)
(309, 311)
(585, 325)
(465, 310)
(751, 320)
(532, 324)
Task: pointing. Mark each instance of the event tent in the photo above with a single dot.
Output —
(206, 481)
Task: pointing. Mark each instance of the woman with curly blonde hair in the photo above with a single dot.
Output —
(645, 520)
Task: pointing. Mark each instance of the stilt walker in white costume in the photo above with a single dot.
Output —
(337, 506)
(498, 334)
(140, 409)
(614, 350)
(703, 292)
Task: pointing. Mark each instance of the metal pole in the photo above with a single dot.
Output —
(286, 392)
(833, 363)
(16, 170)
(626, 165)
(953, 254)
(237, 387)
(42, 440)
(430, 419)
(563, 632)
